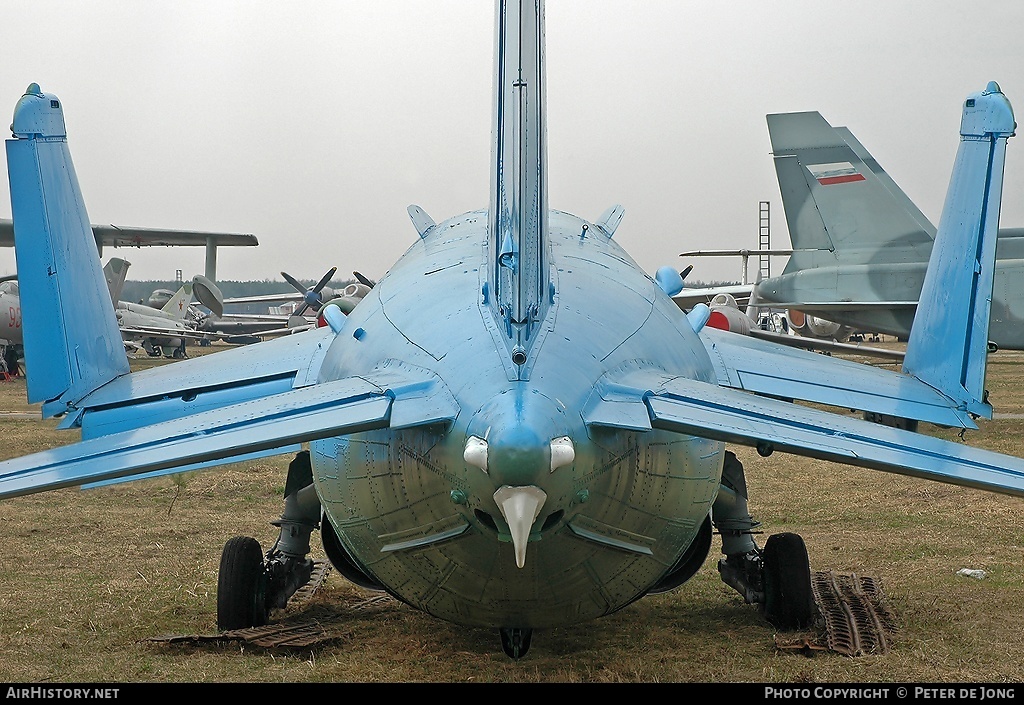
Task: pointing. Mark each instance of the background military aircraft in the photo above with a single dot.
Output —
(309, 302)
(164, 324)
(158, 331)
(809, 328)
(860, 245)
(10, 325)
(539, 442)
(125, 236)
(753, 320)
(118, 236)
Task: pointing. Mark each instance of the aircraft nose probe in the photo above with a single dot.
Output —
(516, 458)
(520, 506)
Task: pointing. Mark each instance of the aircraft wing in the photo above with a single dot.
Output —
(263, 332)
(250, 322)
(393, 398)
(688, 298)
(262, 325)
(269, 318)
(827, 306)
(116, 236)
(265, 298)
(710, 411)
(156, 331)
(830, 346)
(784, 372)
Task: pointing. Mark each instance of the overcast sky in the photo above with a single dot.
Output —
(313, 125)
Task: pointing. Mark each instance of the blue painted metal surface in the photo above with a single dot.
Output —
(780, 371)
(540, 446)
(669, 279)
(518, 274)
(73, 353)
(688, 406)
(949, 340)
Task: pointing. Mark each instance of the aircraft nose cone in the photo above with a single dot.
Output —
(517, 453)
(520, 506)
(518, 426)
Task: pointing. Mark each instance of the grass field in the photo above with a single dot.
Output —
(90, 578)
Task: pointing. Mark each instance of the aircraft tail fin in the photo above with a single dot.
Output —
(900, 198)
(518, 273)
(177, 305)
(115, 271)
(836, 196)
(72, 342)
(949, 339)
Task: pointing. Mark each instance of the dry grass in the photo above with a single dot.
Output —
(89, 577)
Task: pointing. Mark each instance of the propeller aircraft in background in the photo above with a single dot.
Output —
(250, 327)
(549, 441)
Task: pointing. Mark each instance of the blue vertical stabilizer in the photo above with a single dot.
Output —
(72, 342)
(518, 212)
(949, 339)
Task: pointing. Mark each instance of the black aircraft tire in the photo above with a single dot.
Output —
(241, 585)
(789, 601)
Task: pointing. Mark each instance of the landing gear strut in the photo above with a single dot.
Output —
(515, 641)
(251, 584)
(777, 579)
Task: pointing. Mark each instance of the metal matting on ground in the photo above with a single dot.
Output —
(310, 628)
(855, 620)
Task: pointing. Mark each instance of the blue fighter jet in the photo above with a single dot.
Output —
(548, 441)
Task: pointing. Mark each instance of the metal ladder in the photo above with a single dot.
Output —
(764, 238)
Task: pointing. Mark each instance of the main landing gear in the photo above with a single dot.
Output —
(251, 584)
(778, 578)
(241, 585)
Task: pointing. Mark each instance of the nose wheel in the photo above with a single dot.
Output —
(515, 641)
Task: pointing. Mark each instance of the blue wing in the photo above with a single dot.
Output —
(710, 411)
(781, 371)
(394, 396)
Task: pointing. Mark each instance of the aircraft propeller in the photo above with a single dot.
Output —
(364, 280)
(310, 297)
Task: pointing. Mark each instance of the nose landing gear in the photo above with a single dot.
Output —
(515, 641)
